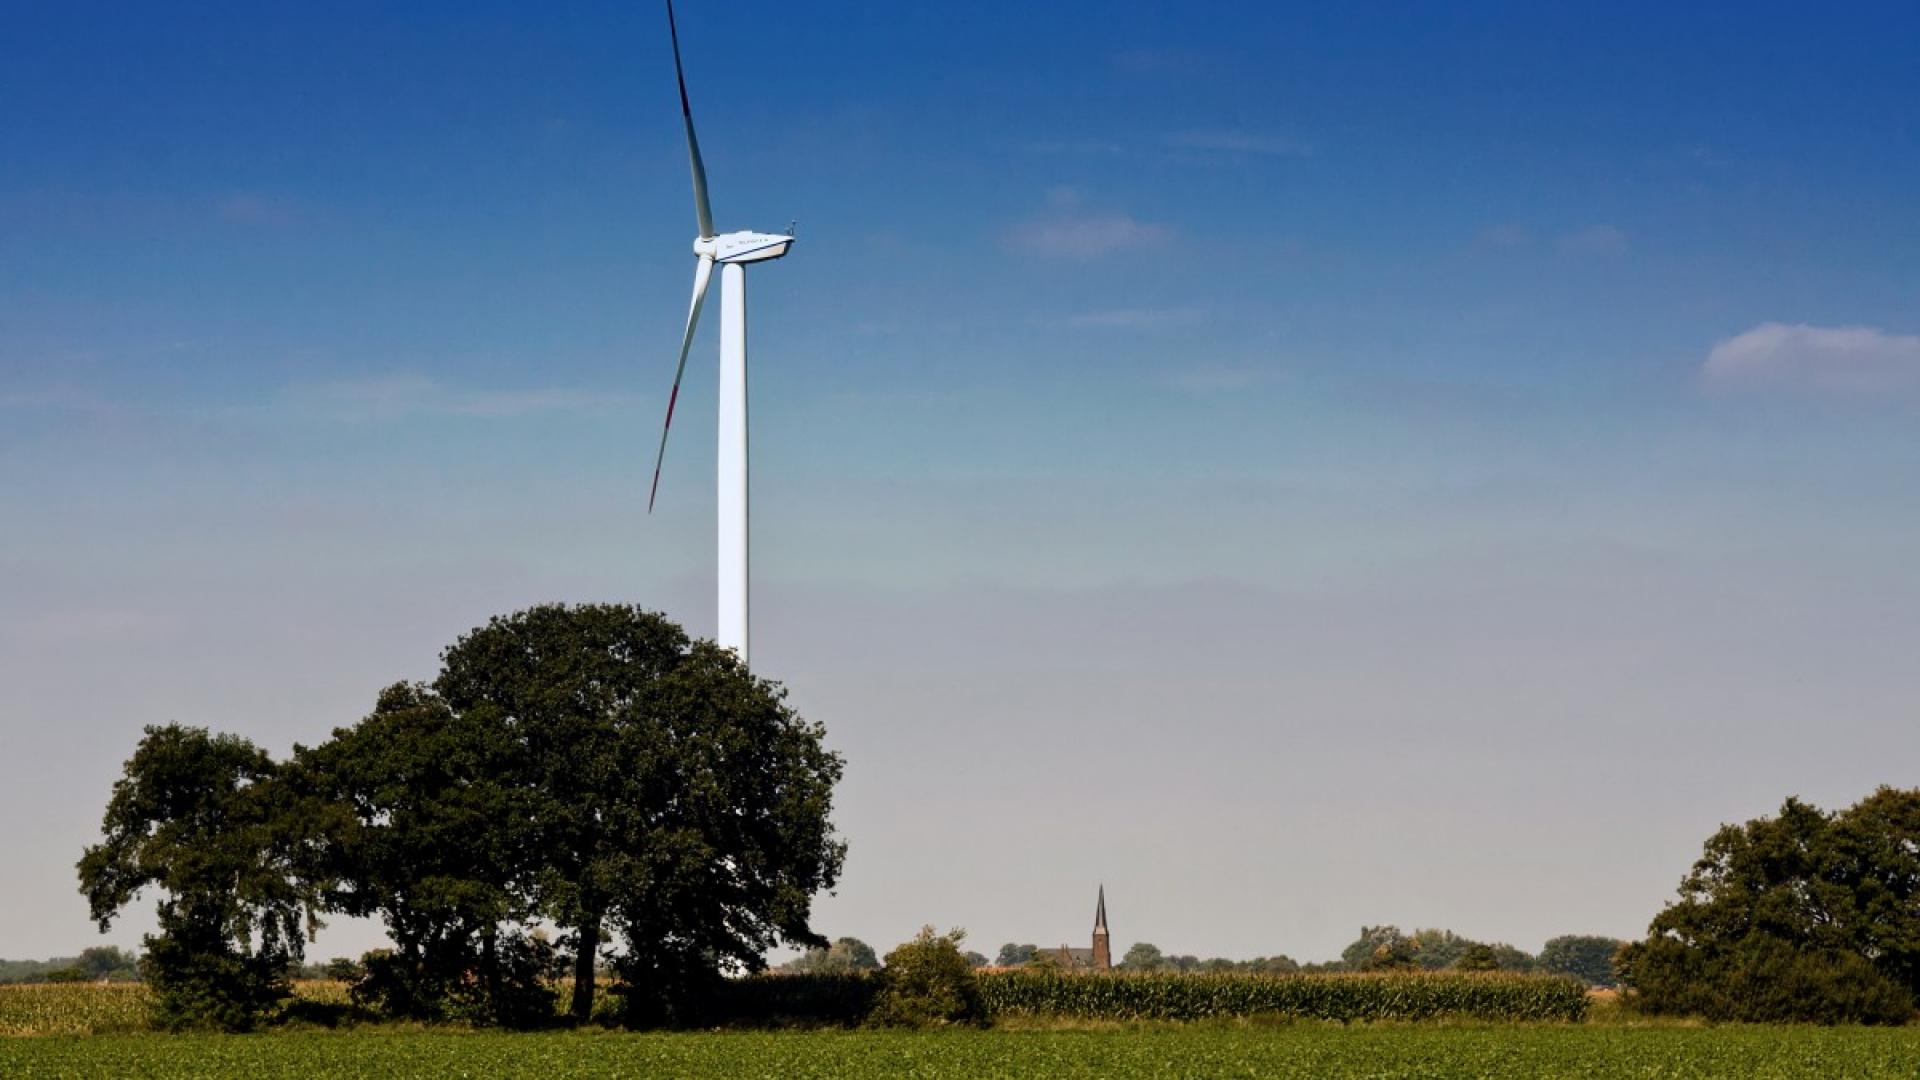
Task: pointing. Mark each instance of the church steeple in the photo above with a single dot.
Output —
(1102, 953)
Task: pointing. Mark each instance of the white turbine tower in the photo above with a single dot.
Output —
(732, 251)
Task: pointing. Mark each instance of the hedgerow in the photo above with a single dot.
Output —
(836, 999)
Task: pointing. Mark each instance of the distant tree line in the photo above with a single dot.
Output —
(1380, 948)
(586, 768)
(1585, 957)
(102, 963)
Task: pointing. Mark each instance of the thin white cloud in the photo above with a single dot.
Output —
(1136, 318)
(1192, 144)
(393, 397)
(1220, 378)
(1240, 142)
(1154, 61)
(248, 208)
(1505, 237)
(1594, 240)
(1065, 197)
(1589, 242)
(1087, 237)
(1840, 360)
(63, 399)
(1078, 146)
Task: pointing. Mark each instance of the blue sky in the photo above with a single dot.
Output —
(1302, 467)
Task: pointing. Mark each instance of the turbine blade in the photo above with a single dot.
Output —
(700, 207)
(701, 275)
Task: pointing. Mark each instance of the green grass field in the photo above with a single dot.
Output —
(101, 1031)
(1584, 1050)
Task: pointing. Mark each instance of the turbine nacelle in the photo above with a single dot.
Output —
(742, 247)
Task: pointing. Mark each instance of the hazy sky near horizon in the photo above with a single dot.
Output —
(1302, 468)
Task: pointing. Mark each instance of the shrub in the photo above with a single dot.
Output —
(929, 983)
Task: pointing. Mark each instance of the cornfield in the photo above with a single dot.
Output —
(844, 1000)
(1318, 997)
(73, 1008)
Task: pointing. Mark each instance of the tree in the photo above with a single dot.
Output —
(1046, 960)
(1143, 956)
(343, 969)
(928, 983)
(1476, 957)
(1809, 915)
(846, 955)
(589, 767)
(1012, 955)
(1385, 948)
(669, 794)
(725, 834)
(1439, 950)
(1586, 957)
(559, 684)
(1381, 948)
(200, 817)
(1511, 959)
(974, 959)
(1435, 949)
(424, 828)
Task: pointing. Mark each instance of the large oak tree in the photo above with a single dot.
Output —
(1811, 915)
(593, 766)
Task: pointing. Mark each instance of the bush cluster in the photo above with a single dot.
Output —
(929, 982)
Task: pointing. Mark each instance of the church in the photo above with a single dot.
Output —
(1100, 956)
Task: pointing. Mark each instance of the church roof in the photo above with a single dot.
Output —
(1100, 913)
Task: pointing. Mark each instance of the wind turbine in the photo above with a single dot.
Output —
(733, 251)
